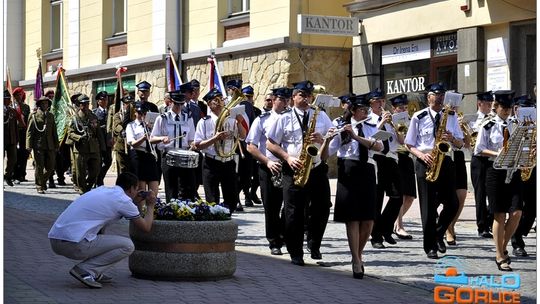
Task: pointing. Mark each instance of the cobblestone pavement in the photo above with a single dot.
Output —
(399, 274)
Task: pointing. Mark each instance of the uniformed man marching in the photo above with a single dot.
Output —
(88, 144)
(143, 92)
(101, 113)
(174, 131)
(119, 122)
(41, 137)
(23, 112)
(11, 137)
(421, 136)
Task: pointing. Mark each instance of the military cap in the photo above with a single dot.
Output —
(83, 98)
(43, 99)
(101, 95)
(177, 97)
(237, 83)
(6, 94)
(399, 100)
(143, 86)
(213, 93)
(306, 86)
(74, 98)
(524, 101)
(141, 107)
(361, 100)
(282, 92)
(128, 99)
(248, 90)
(505, 98)
(436, 87)
(186, 87)
(375, 94)
(195, 84)
(345, 98)
(485, 96)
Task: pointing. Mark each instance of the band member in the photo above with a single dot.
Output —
(356, 185)
(253, 183)
(268, 102)
(425, 132)
(23, 112)
(269, 168)
(388, 177)
(479, 165)
(167, 102)
(102, 99)
(41, 137)
(529, 194)
(11, 138)
(143, 91)
(503, 198)
(172, 131)
(406, 172)
(219, 169)
(196, 93)
(88, 144)
(120, 121)
(287, 140)
(142, 152)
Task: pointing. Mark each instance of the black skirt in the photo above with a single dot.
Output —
(144, 165)
(461, 170)
(356, 190)
(503, 198)
(406, 170)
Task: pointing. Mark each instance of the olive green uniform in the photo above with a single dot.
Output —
(42, 138)
(119, 146)
(10, 142)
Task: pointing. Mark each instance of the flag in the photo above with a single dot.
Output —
(8, 82)
(62, 108)
(215, 80)
(172, 75)
(38, 87)
(119, 92)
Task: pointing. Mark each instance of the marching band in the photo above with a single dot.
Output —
(291, 141)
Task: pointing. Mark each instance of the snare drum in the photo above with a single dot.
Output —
(182, 159)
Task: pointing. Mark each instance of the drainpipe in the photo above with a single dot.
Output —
(180, 37)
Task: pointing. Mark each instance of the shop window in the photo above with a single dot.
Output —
(109, 86)
(56, 25)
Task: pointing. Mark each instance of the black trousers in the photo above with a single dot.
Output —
(431, 195)
(22, 156)
(272, 199)
(316, 193)
(245, 171)
(529, 211)
(389, 182)
(179, 182)
(106, 161)
(484, 217)
(255, 180)
(215, 173)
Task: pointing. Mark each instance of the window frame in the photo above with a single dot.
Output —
(245, 7)
(115, 32)
(60, 5)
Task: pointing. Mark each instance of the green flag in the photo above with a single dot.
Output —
(61, 106)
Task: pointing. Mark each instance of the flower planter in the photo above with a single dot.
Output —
(184, 250)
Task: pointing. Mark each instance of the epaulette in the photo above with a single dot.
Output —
(206, 117)
(286, 110)
(422, 115)
(265, 114)
(371, 125)
(489, 124)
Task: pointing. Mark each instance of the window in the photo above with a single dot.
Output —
(119, 17)
(56, 25)
(238, 6)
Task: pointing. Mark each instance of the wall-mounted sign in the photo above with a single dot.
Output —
(328, 25)
(405, 85)
(445, 45)
(406, 51)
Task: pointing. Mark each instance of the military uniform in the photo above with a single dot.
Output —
(106, 156)
(11, 136)
(22, 152)
(42, 138)
(118, 125)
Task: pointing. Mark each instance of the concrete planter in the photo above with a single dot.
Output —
(184, 250)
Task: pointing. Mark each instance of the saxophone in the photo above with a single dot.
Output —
(439, 149)
(308, 152)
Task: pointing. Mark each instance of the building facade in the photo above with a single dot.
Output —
(470, 45)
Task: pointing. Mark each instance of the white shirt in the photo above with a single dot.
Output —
(85, 217)
(393, 143)
(205, 130)
(420, 133)
(167, 125)
(134, 131)
(351, 150)
(475, 125)
(491, 135)
(258, 132)
(287, 130)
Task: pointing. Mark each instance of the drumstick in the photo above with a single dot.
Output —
(177, 137)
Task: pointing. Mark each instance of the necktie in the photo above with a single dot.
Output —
(177, 118)
(385, 142)
(145, 133)
(436, 124)
(305, 121)
(362, 151)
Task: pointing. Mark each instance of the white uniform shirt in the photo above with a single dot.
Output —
(258, 132)
(420, 133)
(287, 130)
(205, 130)
(167, 125)
(85, 217)
(351, 150)
(134, 131)
(393, 143)
(491, 135)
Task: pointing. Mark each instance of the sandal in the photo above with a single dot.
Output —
(503, 265)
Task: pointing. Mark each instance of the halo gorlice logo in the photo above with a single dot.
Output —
(455, 286)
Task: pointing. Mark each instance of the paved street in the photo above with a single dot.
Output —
(399, 274)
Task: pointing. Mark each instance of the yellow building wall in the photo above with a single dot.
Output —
(202, 25)
(269, 19)
(91, 33)
(139, 28)
(405, 20)
(34, 30)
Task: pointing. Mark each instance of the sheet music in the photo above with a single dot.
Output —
(401, 118)
(326, 101)
(453, 99)
(526, 113)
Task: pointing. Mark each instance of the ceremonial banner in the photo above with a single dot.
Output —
(215, 80)
(171, 72)
(119, 92)
(61, 108)
(38, 87)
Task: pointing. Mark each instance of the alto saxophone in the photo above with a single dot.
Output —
(439, 149)
(308, 152)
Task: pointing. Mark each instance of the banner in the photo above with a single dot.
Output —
(62, 108)
(38, 87)
(171, 72)
(119, 92)
(215, 79)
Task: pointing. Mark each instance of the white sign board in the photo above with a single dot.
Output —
(328, 25)
(406, 51)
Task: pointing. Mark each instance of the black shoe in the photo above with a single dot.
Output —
(441, 247)
(297, 261)
(9, 182)
(389, 239)
(520, 252)
(432, 254)
(276, 251)
(360, 273)
(239, 207)
(248, 203)
(403, 236)
(503, 265)
(255, 199)
(17, 182)
(316, 254)
(61, 182)
(377, 245)
(52, 185)
(485, 235)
